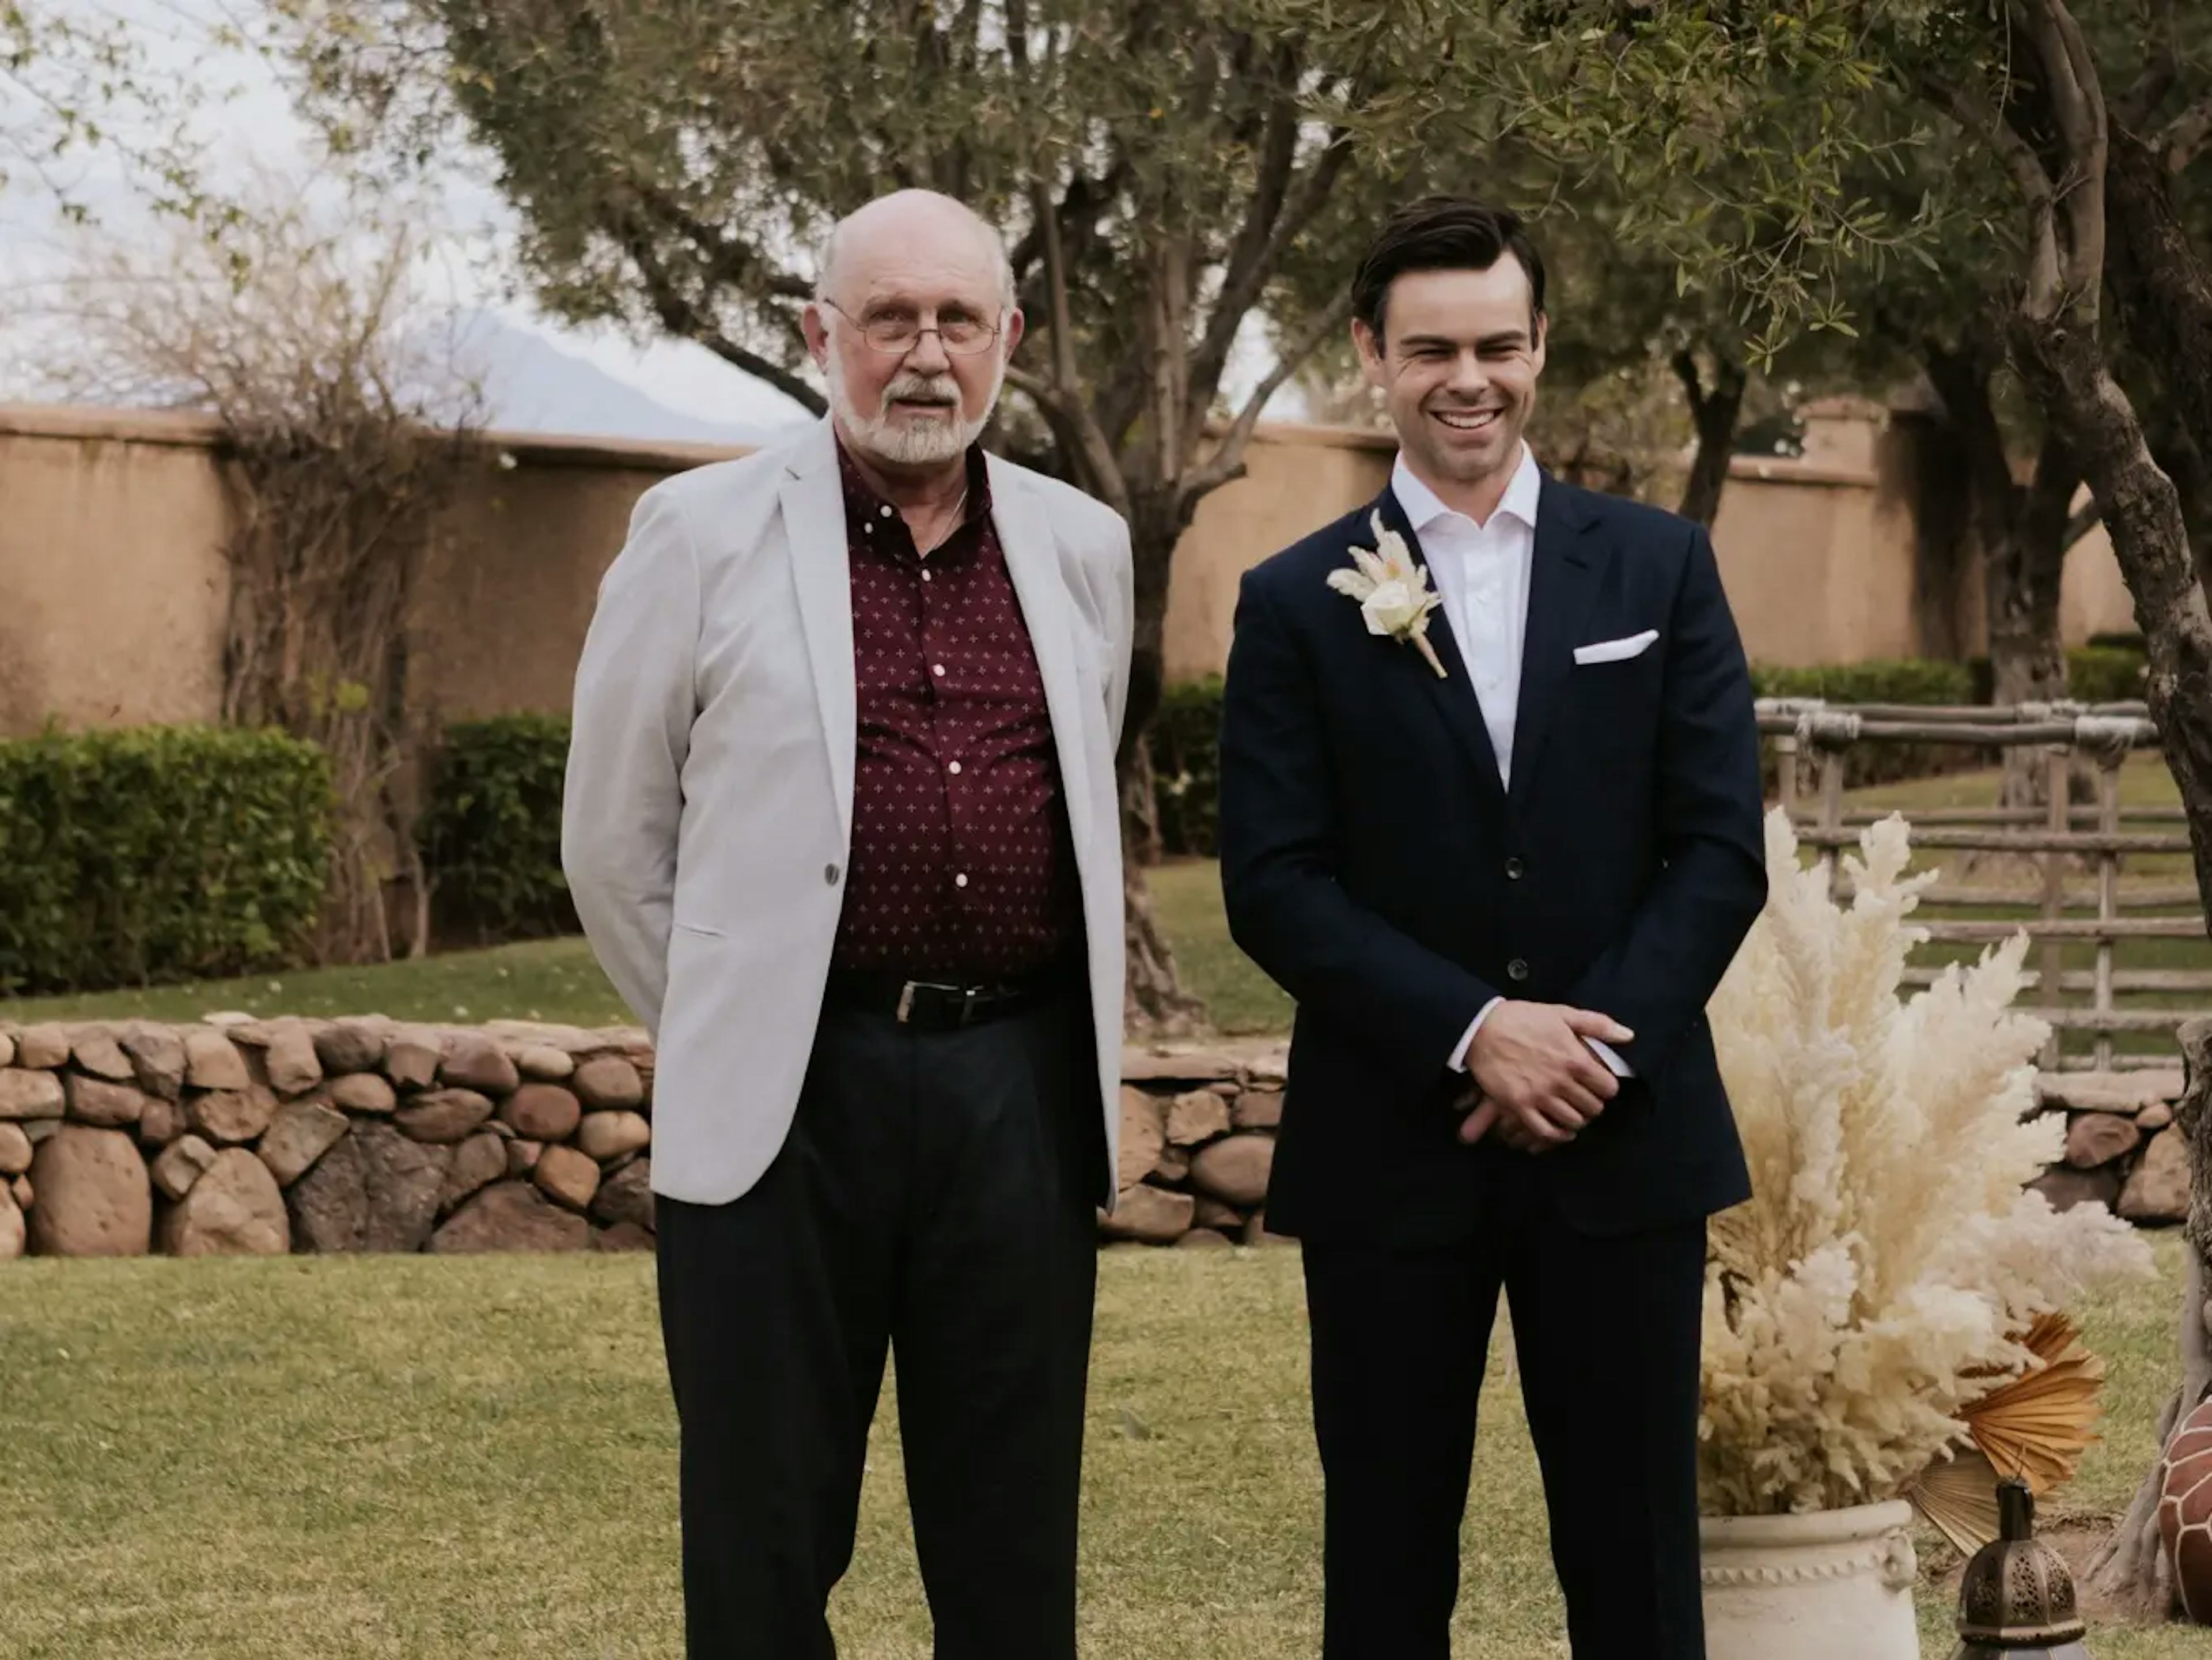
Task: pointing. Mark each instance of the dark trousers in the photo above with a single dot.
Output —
(1606, 1332)
(935, 1196)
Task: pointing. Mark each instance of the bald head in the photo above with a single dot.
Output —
(913, 233)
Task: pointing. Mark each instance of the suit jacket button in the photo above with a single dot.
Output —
(1513, 870)
(830, 874)
(1516, 970)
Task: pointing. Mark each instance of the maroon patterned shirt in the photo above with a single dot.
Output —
(961, 865)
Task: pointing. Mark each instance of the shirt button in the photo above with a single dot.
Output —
(937, 669)
(1513, 870)
(1516, 970)
(961, 880)
(954, 768)
(924, 575)
(830, 874)
(886, 512)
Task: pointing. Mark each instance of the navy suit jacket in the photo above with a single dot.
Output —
(1375, 867)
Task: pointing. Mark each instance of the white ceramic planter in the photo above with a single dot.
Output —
(1832, 1585)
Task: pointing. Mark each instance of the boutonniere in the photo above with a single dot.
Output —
(1393, 591)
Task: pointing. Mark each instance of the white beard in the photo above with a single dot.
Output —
(910, 443)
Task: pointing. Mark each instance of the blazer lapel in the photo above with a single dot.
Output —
(1563, 578)
(814, 532)
(1033, 563)
(1455, 695)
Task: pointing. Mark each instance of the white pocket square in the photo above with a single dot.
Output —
(1615, 651)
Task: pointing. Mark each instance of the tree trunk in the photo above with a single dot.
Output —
(2022, 534)
(1157, 1003)
(2165, 289)
(1716, 412)
(2133, 1567)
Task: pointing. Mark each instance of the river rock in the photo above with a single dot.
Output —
(27, 1094)
(157, 1060)
(2098, 1138)
(376, 1190)
(236, 1209)
(45, 1047)
(410, 1057)
(609, 1083)
(442, 1115)
(232, 1116)
(512, 1216)
(544, 1112)
(1236, 1170)
(293, 1066)
(212, 1061)
(98, 1101)
(162, 1122)
(625, 1196)
(474, 1062)
(15, 1150)
(182, 1163)
(94, 1199)
(301, 1133)
(96, 1052)
(541, 1063)
(566, 1176)
(607, 1135)
(363, 1091)
(2158, 1192)
(2066, 1186)
(1196, 1117)
(14, 1232)
(1144, 1136)
(1151, 1214)
(477, 1162)
(346, 1047)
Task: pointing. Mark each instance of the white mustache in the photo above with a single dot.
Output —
(923, 389)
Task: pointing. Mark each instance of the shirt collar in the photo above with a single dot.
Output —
(861, 501)
(1424, 506)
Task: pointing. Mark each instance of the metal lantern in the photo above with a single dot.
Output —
(2018, 1599)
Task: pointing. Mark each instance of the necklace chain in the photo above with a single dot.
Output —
(958, 506)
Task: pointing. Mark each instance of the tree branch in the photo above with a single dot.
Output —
(1227, 461)
(2182, 140)
(2083, 519)
(1062, 397)
(2077, 107)
(682, 318)
(1974, 113)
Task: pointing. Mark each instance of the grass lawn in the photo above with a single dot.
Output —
(424, 1459)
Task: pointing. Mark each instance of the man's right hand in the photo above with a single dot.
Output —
(1533, 1065)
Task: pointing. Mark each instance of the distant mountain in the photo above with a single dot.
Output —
(528, 384)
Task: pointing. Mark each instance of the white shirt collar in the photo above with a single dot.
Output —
(1424, 506)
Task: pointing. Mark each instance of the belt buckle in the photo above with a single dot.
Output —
(906, 1002)
(967, 1005)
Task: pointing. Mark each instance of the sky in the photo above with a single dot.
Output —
(243, 118)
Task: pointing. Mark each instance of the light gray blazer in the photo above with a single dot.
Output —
(708, 814)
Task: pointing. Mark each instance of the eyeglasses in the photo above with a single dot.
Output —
(962, 336)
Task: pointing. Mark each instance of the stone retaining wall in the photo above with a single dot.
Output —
(245, 1136)
(239, 1135)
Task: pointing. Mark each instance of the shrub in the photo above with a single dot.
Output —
(1186, 749)
(159, 852)
(491, 832)
(2105, 674)
(1900, 680)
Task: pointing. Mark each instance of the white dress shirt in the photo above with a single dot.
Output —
(1482, 573)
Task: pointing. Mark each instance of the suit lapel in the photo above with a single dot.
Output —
(813, 503)
(1563, 578)
(1033, 564)
(1455, 695)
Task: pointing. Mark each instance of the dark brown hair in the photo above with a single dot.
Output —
(1443, 233)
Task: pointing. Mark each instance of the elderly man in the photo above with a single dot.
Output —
(840, 825)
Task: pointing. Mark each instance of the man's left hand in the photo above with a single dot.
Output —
(1489, 1119)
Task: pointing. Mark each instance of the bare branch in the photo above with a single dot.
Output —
(681, 317)
(2084, 519)
(2182, 139)
(1973, 112)
(2077, 107)
(1090, 449)
(1227, 461)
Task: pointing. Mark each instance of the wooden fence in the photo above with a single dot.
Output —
(2062, 838)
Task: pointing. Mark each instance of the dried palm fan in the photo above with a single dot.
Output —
(1957, 1495)
(2035, 1425)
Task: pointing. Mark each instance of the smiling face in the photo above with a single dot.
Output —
(927, 262)
(1457, 363)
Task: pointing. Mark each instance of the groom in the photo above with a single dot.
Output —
(1501, 887)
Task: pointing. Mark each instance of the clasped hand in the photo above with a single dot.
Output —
(1535, 1080)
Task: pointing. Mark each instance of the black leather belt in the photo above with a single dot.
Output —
(936, 1005)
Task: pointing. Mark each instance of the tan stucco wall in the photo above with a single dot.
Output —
(1295, 480)
(113, 585)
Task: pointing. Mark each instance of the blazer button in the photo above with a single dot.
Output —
(830, 874)
(1513, 870)
(1516, 970)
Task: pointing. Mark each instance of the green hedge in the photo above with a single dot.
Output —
(491, 833)
(2105, 674)
(159, 852)
(1185, 741)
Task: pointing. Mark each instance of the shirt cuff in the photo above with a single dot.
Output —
(1605, 1053)
(1458, 1063)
